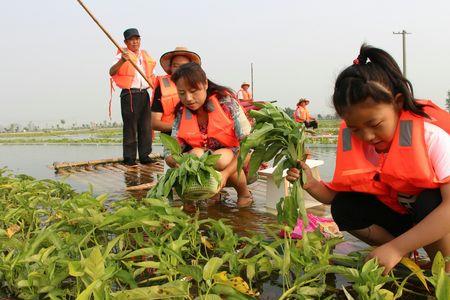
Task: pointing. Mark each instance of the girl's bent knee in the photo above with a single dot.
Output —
(197, 151)
(226, 157)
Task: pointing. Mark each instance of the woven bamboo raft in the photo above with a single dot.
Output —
(110, 175)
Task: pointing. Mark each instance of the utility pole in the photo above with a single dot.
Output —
(447, 102)
(403, 33)
(251, 70)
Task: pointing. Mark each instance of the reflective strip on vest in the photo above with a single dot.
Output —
(405, 138)
(210, 106)
(166, 82)
(188, 114)
(346, 139)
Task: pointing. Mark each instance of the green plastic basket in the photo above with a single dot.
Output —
(196, 192)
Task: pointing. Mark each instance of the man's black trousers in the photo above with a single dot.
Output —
(137, 126)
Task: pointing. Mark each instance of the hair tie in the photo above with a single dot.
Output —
(362, 59)
(356, 61)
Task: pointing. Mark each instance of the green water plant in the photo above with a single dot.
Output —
(56, 243)
(439, 279)
(193, 179)
(277, 136)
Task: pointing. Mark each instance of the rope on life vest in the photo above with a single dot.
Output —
(111, 90)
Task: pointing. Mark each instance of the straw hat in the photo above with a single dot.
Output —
(167, 57)
(303, 100)
(245, 83)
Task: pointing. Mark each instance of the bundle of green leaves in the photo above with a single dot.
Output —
(194, 179)
(277, 136)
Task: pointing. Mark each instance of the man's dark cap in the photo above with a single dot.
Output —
(129, 33)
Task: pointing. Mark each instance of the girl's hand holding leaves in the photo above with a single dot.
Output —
(294, 174)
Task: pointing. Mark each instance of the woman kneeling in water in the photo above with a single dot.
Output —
(209, 118)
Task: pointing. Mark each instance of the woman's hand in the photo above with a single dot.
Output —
(170, 161)
(387, 256)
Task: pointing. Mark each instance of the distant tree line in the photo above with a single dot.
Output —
(61, 125)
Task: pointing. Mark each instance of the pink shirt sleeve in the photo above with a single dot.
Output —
(438, 144)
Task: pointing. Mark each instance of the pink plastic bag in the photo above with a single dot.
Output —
(326, 226)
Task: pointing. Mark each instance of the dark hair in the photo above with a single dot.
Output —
(171, 59)
(380, 79)
(194, 75)
(301, 100)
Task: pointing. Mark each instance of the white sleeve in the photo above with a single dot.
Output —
(117, 58)
(239, 95)
(438, 145)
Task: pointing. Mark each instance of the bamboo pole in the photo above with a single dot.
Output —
(146, 173)
(118, 166)
(150, 83)
(127, 169)
(122, 174)
(151, 169)
(112, 168)
(110, 172)
(64, 165)
(139, 187)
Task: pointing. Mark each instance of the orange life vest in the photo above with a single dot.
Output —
(125, 75)
(245, 95)
(220, 127)
(169, 97)
(301, 114)
(406, 168)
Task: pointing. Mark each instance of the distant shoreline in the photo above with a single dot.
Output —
(326, 134)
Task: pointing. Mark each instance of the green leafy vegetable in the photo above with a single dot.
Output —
(194, 179)
(277, 136)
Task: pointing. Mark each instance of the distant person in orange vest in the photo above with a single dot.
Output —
(165, 96)
(210, 119)
(391, 185)
(246, 100)
(244, 94)
(135, 99)
(302, 115)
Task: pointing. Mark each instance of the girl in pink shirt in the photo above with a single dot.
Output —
(391, 187)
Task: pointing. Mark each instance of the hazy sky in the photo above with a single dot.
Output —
(56, 60)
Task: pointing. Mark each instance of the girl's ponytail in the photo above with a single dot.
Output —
(374, 74)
